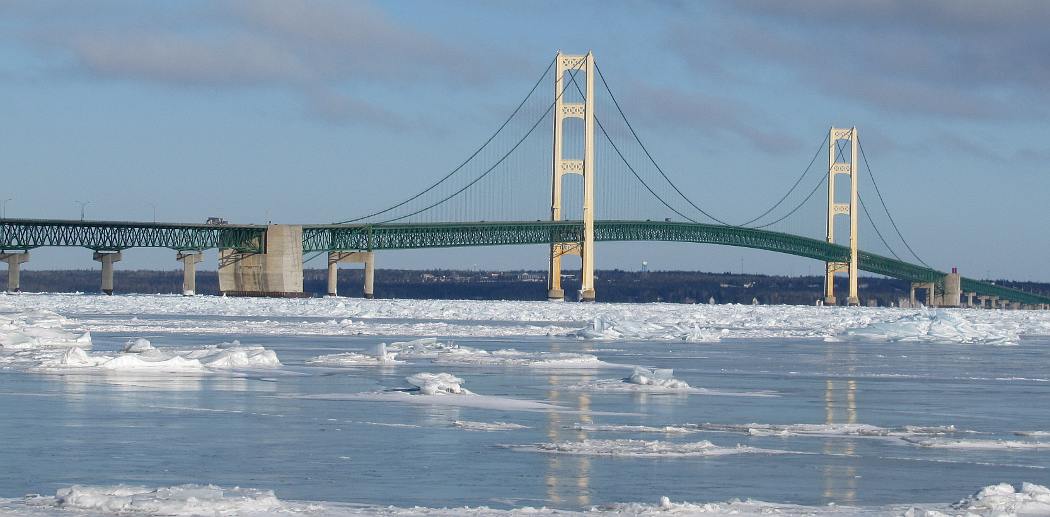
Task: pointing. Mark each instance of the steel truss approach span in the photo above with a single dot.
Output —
(25, 234)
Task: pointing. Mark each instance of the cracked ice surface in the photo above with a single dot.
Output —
(601, 321)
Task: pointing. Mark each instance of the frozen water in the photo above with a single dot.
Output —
(613, 428)
(832, 430)
(140, 356)
(657, 377)
(655, 321)
(137, 345)
(438, 384)
(487, 426)
(940, 326)
(993, 500)
(881, 410)
(458, 355)
(176, 500)
(642, 448)
(944, 443)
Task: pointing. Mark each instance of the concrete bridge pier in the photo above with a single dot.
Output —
(969, 299)
(982, 302)
(189, 270)
(993, 302)
(14, 267)
(952, 295)
(359, 257)
(107, 258)
(931, 293)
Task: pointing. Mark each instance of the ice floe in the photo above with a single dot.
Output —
(946, 443)
(378, 356)
(36, 329)
(617, 428)
(662, 378)
(656, 380)
(830, 430)
(935, 326)
(641, 448)
(468, 425)
(438, 384)
(452, 354)
(1004, 499)
(146, 357)
(176, 500)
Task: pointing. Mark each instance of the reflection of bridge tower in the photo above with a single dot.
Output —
(836, 167)
(563, 166)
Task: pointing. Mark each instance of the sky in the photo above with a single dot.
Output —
(313, 111)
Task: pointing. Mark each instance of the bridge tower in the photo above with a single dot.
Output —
(836, 167)
(561, 166)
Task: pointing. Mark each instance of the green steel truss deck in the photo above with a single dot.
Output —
(24, 234)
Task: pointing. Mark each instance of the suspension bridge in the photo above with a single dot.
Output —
(565, 169)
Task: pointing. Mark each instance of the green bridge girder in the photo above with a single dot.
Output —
(25, 234)
(323, 238)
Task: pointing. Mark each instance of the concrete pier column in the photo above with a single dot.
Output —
(969, 299)
(370, 276)
(14, 267)
(993, 302)
(333, 275)
(952, 295)
(365, 257)
(107, 258)
(189, 270)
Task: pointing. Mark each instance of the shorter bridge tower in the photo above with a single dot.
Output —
(850, 208)
(561, 166)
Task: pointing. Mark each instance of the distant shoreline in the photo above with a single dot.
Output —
(611, 285)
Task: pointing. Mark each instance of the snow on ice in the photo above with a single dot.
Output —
(603, 321)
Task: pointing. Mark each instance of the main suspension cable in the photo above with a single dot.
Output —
(469, 158)
(646, 150)
(884, 207)
(793, 187)
(572, 75)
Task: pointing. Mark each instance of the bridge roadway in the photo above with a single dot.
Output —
(26, 234)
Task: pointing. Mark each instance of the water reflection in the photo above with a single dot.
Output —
(568, 477)
(840, 407)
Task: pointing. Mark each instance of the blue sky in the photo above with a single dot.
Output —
(314, 111)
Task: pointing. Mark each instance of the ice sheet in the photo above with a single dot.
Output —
(225, 356)
(452, 354)
(614, 428)
(831, 430)
(378, 356)
(468, 425)
(654, 321)
(946, 443)
(438, 384)
(993, 500)
(641, 448)
(626, 386)
(473, 401)
(937, 326)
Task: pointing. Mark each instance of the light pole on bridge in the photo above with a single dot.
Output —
(3, 207)
(82, 205)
